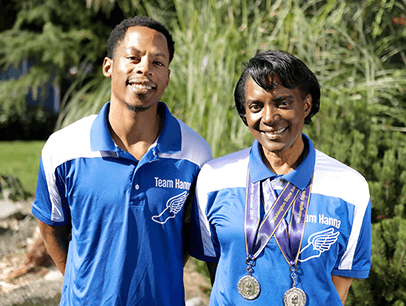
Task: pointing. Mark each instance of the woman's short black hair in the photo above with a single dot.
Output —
(118, 33)
(291, 71)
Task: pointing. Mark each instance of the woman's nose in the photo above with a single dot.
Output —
(270, 113)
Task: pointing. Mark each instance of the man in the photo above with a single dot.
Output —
(112, 188)
(285, 222)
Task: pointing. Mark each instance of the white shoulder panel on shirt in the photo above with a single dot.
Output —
(335, 179)
(228, 171)
(69, 143)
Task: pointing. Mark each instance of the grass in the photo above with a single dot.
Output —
(21, 159)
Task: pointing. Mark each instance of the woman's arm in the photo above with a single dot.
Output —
(342, 285)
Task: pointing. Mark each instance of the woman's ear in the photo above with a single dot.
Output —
(308, 101)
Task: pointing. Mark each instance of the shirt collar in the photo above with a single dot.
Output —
(300, 177)
(170, 139)
(100, 138)
(168, 142)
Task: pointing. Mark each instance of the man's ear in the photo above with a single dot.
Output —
(107, 67)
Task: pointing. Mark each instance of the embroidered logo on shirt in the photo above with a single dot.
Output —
(319, 242)
(173, 206)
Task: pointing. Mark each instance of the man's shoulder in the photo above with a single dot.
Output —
(192, 137)
(190, 140)
(77, 131)
(69, 142)
(193, 147)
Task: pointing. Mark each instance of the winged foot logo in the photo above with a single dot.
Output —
(318, 243)
(173, 206)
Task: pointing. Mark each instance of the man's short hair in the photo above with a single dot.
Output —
(291, 71)
(118, 33)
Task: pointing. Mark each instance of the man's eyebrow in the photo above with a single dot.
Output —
(135, 50)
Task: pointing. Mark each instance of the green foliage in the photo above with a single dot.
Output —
(84, 99)
(386, 283)
(212, 40)
(56, 35)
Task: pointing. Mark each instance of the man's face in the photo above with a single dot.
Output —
(139, 70)
(276, 118)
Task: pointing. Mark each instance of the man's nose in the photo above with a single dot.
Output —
(143, 67)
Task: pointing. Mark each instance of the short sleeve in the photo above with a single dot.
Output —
(49, 205)
(203, 242)
(361, 257)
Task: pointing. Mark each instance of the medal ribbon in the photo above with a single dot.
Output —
(289, 241)
(274, 223)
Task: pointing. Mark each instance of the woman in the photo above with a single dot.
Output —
(280, 222)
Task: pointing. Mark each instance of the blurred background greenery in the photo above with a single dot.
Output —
(355, 47)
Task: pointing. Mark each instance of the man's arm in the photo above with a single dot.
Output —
(56, 240)
(342, 285)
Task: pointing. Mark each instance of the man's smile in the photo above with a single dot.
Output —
(141, 85)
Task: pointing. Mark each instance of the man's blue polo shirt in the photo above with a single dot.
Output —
(127, 216)
(336, 241)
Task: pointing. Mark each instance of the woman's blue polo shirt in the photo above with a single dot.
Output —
(337, 234)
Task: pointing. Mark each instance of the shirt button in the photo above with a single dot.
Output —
(137, 186)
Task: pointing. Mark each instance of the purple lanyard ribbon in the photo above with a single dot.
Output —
(288, 239)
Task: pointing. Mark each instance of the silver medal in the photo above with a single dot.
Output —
(249, 287)
(294, 297)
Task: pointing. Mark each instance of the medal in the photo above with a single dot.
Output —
(294, 297)
(249, 287)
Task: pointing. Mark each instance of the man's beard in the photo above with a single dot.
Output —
(137, 109)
